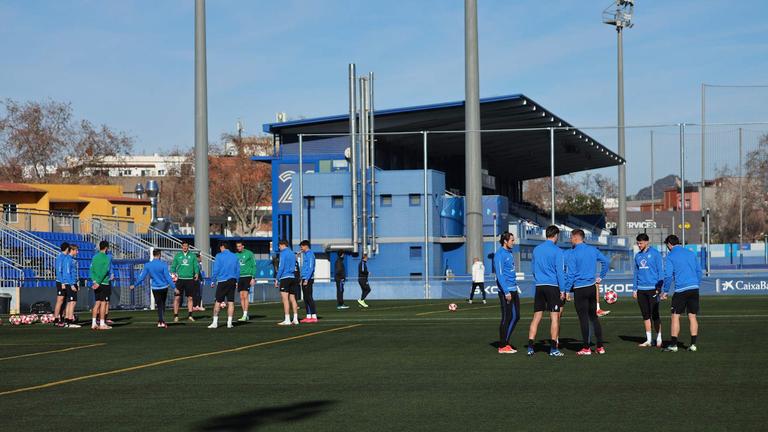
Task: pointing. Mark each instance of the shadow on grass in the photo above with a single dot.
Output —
(261, 417)
(636, 339)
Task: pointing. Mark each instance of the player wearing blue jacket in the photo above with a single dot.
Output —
(549, 275)
(684, 269)
(286, 282)
(69, 282)
(581, 275)
(649, 278)
(159, 281)
(226, 271)
(60, 291)
(506, 279)
(307, 281)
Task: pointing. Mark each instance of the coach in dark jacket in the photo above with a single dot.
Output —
(339, 276)
(362, 279)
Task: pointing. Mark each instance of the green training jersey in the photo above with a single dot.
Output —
(185, 265)
(247, 263)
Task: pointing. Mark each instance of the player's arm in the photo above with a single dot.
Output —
(560, 260)
(669, 273)
(604, 263)
(175, 264)
(140, 278)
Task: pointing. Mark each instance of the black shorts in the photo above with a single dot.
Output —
(72, 292)
(60, 290)
(547, 298)
(225, 291)
(648, 300)
(186, 287)
(686, 301)
(244, 283)
(289, 285)
(103, 292)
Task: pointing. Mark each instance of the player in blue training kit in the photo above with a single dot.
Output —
(61, 292)
(226, 271)
(159, 281)
(649, 278)
(684, 269)
(549, 275)
(581, 274)
(506, 279)
(285, 281)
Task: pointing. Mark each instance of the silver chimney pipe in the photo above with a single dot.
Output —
(364, 161)
(353, 151)
(153, 190)
(372, 164)
(139, 189)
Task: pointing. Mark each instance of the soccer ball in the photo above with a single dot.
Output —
(26, 319)
(223, 305)
(14, 320)
(452, 307)
(611, 297)
(45, 319)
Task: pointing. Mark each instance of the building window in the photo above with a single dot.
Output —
(144, 211)
(414, 200)
(415, 252)
(161, 172)
(309, 202)
(128, 211)
(114, 211)
(144, 173)
(386, 200)
(415, 276)
(10, 213)
(337, 201)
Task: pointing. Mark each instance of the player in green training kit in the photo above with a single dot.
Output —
(185, 272)
(100, 275)
(247, 277)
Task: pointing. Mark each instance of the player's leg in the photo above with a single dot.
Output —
(598, 329)
(294, 307)
(57, 312)
(191, 287)
(656, 318)
(693, 308)
(340, 294)
(180, 285)
(644, 303)
(581, 300)
(481, 286)
(532, 329)
(598, 311)
(285, 288)
(679, 305)
(96, 308)
(472, 292)
(220, 296)
(157, 294)
(244, 291)
(104, 310)
(309, 300)
(506, 320)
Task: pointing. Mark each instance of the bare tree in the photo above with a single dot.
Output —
(241, 188)
(41, 142)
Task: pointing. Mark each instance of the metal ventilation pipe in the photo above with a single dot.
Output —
(372, 162)
(364, 161)
(153, 191)
(353, 152)
(139, 189)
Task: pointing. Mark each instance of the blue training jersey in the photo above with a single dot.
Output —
(548, 265)
(683, 268)
(287, 264)
(308, 265)
(504, 265)
(226, 266)
(159, 275)
(582, 266)
(649, 270)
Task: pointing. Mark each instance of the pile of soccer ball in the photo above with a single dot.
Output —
(30, 319)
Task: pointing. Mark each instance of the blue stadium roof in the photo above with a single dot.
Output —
(527, 150)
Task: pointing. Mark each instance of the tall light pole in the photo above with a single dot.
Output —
(619, 15)
(202, 216)
(472, 146)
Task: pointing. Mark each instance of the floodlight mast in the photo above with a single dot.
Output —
(619, 15)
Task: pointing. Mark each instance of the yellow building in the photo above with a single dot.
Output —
(52, 207)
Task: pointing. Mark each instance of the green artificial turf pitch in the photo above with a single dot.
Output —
(399, 365)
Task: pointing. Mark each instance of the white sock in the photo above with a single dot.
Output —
(648, 337)
(103, 322)
(216, 320)
(598, 306)
(296, 316)
(229, 320)
(287, 318)
(93, 321)
(658, 337)
(314, 316)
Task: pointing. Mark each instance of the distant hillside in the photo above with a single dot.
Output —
(659, 186)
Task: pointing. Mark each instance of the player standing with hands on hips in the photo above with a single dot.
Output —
(504, 263)
(684, 270)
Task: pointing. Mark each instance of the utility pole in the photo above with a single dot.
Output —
(202, 215)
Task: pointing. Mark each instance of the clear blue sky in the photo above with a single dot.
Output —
(129, 63)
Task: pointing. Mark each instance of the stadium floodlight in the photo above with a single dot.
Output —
(619, 15)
